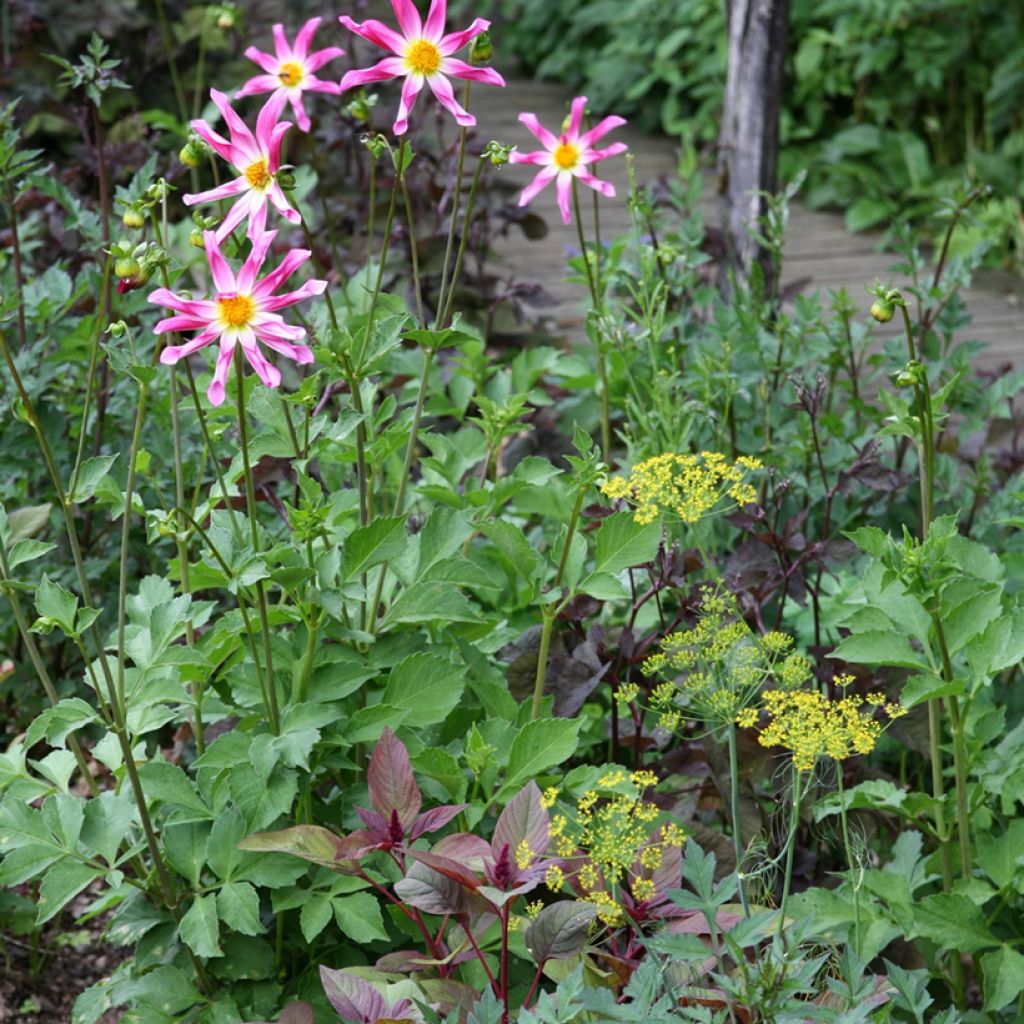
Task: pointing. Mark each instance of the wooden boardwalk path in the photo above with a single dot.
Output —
(817, 247)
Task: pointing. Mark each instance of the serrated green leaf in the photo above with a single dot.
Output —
(880, 647)
(539, 746)
(425, 688)
(200, 928)
(953, 922)
(238, 904)
(1003, 971)
(622, 542)
(60, 885)
(359, 917)
(383, 539)
(314, 916)
(90, 474)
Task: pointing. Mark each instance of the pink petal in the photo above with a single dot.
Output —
(280, 201)
(389, 67)
(270, 375)
(293, 259)
(539, 132)
(563, 187)
(460, 69)
(234, 217)
(540, 180)
(433, 29)
(241, 137)
(215, 392)
(218, 144)
(410, 90)
(319, 85)
(590, 156)
(606, 188)
(267, 123)
(305, 37)
(602, 128)
(257, 215)
(457, 40)
(276, 138)
(257, 84)
(181, 322)
(246, 277)
(315, 61)
(223, 278)
(301, 117)
(297, 353)
(408, 18)
(576, 118)
(375, 32)
(281, 47)
(172, 353)
(442, 89)
(266, 61)
(231, 188)
(274, 326)
(307, 291)
(538, 156)
(193, 307)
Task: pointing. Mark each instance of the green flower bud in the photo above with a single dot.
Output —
(127, 266)
(882, 311)
(497, 153)
(195, 237)
(481, 51)
(133, 218)
(191, 154)
(117, 329)
(286, 180)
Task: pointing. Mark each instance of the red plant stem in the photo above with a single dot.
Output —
(533, 987)
(504, 964)
(413, 914)
(464, 921)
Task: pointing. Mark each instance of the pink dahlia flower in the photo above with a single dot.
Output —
(568, 156)
(257, 158)
(243, 312)
(291, 70)
(423, 55)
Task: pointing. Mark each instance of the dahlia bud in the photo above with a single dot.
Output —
(126, 266)
(497, 153)
(195, 237)
(191, 154)
(481, 51)
(133, 218)
(882, 311)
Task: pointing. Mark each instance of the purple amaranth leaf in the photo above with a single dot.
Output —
(432, 820)
(355, 999)
(524, 820)
(434, 892)
(391, 782)
(464, 847)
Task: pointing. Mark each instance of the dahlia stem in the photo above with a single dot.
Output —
(442, 301)
(445, 318)
(413, 253)
(854, 884)
(261, 594)
(19, 277)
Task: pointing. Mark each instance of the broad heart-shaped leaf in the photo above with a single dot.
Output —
(539, 746)
(623, 542)
(559, 930)
(390, 780)
(880, 647)
(524, 820)
(425, 687)
(310, 842)
(367, 546)
(953, 922)
(1004, 977)
(200, 929)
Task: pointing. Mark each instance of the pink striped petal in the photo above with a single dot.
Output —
(602, 128)
(579, 105)
(297, 353)
(267, 61)
(410, 90)
(273, 326)
(540, 180)
(216, 391)
(267, 124)
(277, 135)
(193, 307)
(269, 374)
(319, 85)
(257, 215)
(315, 61)
(590, 156)
(302, 120)
(408, 18)
(181, 322)
(433, 28)
(375, 32)
(217, 143)
(442, 89)
(230, 188)
(538, 156)
(246, 277)
(460, 69)
(455, 41)
(304, 37)
(606, 188)
(234, 217)
(281, 46)
(293, 259)
(307, 291)
(280, 201)
(223, 278)
(563, 188)
(241, 138)
(389, 67)
(538, 131)
(172, 353)
(258, 84)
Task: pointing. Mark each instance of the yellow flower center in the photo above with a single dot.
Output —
(566, 156)
(291, 73)
(423, 57)
(257, 174)
(237, 311)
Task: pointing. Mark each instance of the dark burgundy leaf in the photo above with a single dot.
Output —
(391, 782)
(435, 818)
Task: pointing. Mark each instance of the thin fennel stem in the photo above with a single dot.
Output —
(734, 811)
(250, 501)
(790, 848)
(854, 884)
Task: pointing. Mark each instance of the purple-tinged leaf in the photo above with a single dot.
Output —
(465, 848)
(296, 1013)
(449, 867)
(524, 820)
(391, 782)
(432, 820)
(559, 930)
(310, 842)
(376, 824)
(354, 999)
(435, 893)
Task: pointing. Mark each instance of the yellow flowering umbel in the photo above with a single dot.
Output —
(809, 725)
(686, 486)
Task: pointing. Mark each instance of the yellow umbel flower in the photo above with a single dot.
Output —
(687, 486)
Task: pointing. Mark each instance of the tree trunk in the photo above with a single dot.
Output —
(749, 136)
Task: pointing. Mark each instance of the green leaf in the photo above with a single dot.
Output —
(604, 587)
(514, 548)
(167, 783)
(54, 723)
(953, 922)
(539, 746)
(90, 474)
(60, 885)
(108, 819)
(56, 607)
(358, 916)
(1004, 977)
(927, 686)
(185, 847)
(430, 601)
(383, 539)
(880, 647)
(314, 916)
(310, 842)
(622, 542)
(27, 551)
(200, 928)
(238, 904)
(425, 688)
(998, 855)
(26, 522)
